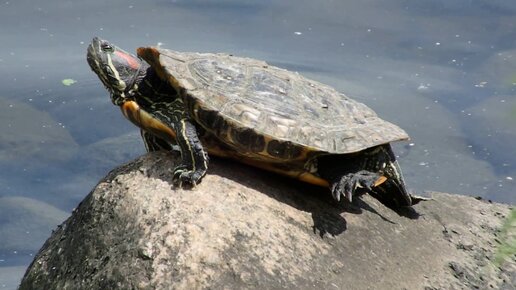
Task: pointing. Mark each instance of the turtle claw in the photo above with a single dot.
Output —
(348, 184)
(184, 177)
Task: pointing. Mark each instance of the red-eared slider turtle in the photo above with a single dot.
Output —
(255, 113)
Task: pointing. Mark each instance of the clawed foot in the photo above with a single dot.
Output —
(349, 183)
(185, 177)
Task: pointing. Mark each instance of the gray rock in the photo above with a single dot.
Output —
(244, 228)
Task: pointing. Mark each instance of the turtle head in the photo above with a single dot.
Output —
(117, 69)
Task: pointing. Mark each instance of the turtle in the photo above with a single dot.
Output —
(217, 104)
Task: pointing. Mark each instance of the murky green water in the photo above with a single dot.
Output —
(445, 71)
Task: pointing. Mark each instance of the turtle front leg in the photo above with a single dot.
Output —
(194, 160)
(169, 122)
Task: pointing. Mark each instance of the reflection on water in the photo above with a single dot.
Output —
(444, 71)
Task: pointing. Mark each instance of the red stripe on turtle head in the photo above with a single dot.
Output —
(132, 61)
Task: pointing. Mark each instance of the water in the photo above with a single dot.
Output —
(444, 71)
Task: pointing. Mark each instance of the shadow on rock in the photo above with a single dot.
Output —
(327, 214)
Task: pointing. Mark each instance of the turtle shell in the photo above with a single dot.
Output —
(273, 103)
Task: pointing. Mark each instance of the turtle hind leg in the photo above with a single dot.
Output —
(393, 192)
(348, 174)
(355, 183)
(393, 195)
(374, 170)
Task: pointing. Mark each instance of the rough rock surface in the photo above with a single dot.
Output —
(244, 228)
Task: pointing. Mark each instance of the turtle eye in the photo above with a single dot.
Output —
(107, 47)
